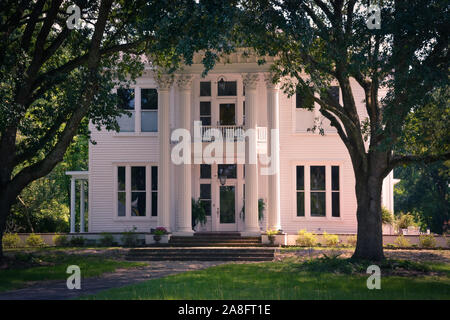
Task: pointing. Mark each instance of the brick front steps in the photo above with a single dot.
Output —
(201, 254)
(215, 239)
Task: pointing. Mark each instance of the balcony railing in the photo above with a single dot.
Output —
(231, 133)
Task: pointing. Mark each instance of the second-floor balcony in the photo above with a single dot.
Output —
(230, 133)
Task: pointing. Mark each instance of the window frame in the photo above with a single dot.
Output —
(128, 191)
(137, 112)
(141, 111)
(307, 190)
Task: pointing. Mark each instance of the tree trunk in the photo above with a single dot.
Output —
(369, 245)
(5, 207)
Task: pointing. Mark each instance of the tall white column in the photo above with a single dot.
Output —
(184, 213)
(164, 84)
(251, 168)
(81, 205)
(72, 205)
(273, 111)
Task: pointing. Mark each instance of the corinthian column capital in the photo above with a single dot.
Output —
(268, 78)
(250, 80)
(184, 81)
(164, 81)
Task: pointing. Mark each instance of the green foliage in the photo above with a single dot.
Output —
(160, 231)
(129, 237)
(351, 240)
(386, 216)
(402, 242)
(271, 235)
(198, 212)
(261, 208)
(11, 240)
(106, 239)
(427, 241)
(35, 241)
(405, 220)
(423, 190)
(77, 241)
(306, 239)
(61, 240)
(331, 240)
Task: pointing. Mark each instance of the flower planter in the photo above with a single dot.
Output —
(150, 239)
(279, 239)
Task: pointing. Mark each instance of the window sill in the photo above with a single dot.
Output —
(135, 134)
(135, 219)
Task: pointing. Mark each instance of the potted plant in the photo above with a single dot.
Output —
(405, 221)
(158, 232)
(271, 235)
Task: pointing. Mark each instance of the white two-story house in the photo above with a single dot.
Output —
(133, 180)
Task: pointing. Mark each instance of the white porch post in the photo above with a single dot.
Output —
(72, 205)
(81, 205)
(184, 213)
(164, 85)
(273, 117)
(251, 169)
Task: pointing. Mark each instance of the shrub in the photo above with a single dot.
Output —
(35, 241)
(306, 239)
(11, 240)
(386, 216)
(405, 220)
(77, 241)
(61, 240)
(402, 242)
(351, 240)
(331, 240)
(427, 241)
(129, 238)
(106, 239)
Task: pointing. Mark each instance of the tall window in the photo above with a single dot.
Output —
(205, 113)
(125, 101)
(335, 202)
(205, 88)
(154, 191)
(138, 194)
(137, 191)
(314, 198)
(149, 109)
(205, 197)
(121, 192)
(317, 174)
(300, 191)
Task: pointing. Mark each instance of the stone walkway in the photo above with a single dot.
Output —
(57, 289)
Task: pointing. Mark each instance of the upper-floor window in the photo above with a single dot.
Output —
(144, 111)
(226, 88)
(334, 92)
(125, 101)
(303, 101)
(149, 110)
(205, 88)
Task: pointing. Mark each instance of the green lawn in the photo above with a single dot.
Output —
(313, 279)
(53, 266)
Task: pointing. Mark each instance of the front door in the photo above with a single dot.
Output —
(227, 208)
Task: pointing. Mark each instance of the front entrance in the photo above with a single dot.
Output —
(227, 208)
